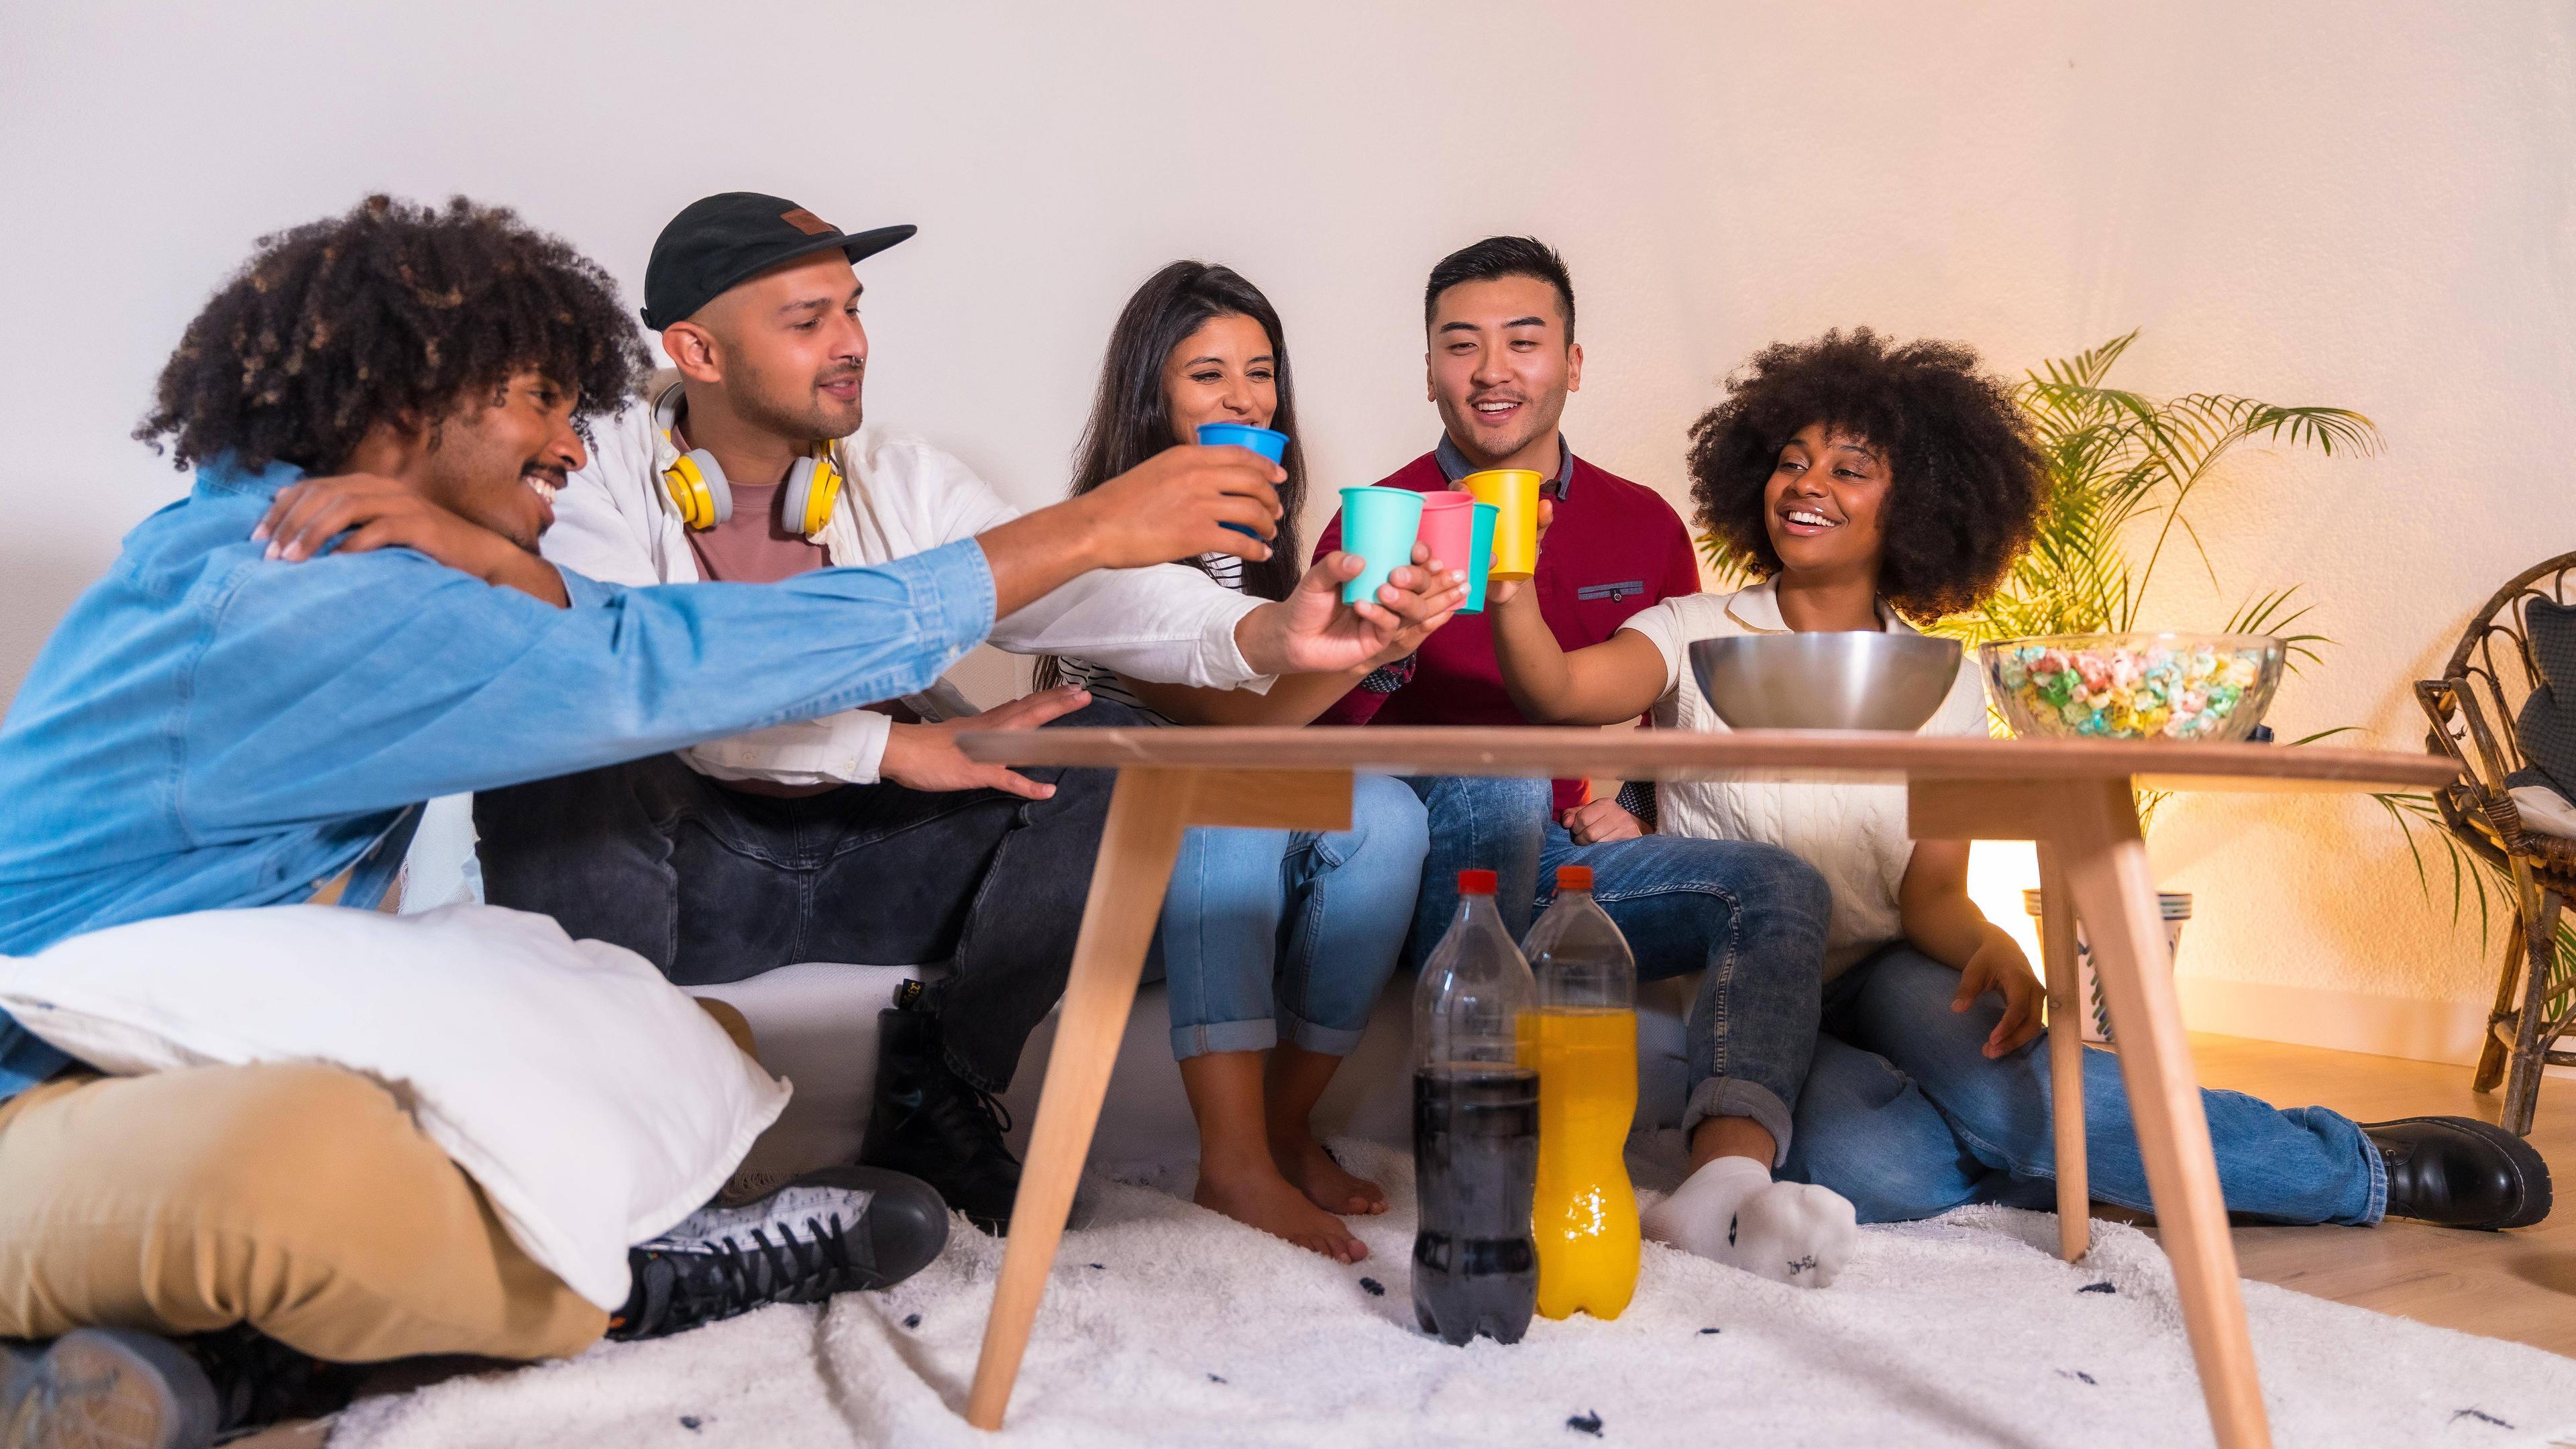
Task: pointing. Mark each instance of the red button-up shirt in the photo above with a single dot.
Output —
(1615, 548)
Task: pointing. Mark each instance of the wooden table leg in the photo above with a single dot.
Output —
(2105, 860)
(2067, 1010)
(1147, 813)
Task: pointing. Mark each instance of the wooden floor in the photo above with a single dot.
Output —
(2519, 1285)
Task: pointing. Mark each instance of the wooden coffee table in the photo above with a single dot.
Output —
(2071, 796)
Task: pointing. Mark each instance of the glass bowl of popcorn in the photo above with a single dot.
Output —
(2192, 687)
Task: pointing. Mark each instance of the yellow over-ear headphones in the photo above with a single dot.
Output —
(698, 488)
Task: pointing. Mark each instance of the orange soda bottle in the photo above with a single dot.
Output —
(1582, 1041)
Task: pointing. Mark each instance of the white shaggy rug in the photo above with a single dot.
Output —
(1168, 1325)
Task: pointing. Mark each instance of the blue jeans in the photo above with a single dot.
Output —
(1477, 823)
(1276, 934)
(1904, 1115)
(1751, 916)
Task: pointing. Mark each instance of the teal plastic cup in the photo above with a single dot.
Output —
(1480, 557)
(1378, 524)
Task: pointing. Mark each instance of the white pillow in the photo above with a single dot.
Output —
(595, 1103)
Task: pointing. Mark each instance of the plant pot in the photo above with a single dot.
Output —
(2174, 906)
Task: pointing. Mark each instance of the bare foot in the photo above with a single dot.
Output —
(1267, 1201)
(1303, 1161)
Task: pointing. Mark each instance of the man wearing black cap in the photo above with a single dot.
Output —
(865, 835)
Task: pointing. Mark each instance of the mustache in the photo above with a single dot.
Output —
(843, 374)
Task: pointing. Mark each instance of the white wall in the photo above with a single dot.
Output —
(2363, 205)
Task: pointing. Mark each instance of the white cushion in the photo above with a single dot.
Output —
(594, 1103)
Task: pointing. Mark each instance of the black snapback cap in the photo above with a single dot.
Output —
(719, 240)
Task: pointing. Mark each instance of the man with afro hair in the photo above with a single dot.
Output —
(1869, 483)
(249, 709)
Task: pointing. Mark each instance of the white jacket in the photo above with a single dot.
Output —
(615, 522)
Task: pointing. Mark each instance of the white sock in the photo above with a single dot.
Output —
(1732, 1212)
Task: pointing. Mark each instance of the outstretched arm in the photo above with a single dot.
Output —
(1173, 505)
(1615, 680)
(1945, 925)
(1428, 598)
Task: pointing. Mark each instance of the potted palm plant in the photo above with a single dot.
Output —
(2123, 470)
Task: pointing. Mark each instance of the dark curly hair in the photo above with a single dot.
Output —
(1967, 486)
(394, 311)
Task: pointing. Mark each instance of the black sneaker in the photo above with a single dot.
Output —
(106, 1386)
(835, 1231)
(2459, 1172)
(936, 1125)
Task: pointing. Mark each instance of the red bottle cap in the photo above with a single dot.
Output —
(1477, 882)
(1574, 877)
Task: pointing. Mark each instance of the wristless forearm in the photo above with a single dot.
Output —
(1534, 668)
(1036, 554)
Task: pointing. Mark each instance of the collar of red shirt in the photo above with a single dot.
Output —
(1454, 465)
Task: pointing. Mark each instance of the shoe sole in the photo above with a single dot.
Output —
(112, 1388)
(2530, 1169)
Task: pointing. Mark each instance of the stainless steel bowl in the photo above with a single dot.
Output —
(1838, 681)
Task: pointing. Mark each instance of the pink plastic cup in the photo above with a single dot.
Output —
(1449, 528)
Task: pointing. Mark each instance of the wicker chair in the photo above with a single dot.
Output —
(2474, 706)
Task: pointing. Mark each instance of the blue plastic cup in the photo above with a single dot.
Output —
(1480, 558)
(1268, 443)
(1379, 525)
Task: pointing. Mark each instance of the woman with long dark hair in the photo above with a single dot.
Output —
(1275, 943)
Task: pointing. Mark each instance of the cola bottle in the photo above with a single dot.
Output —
(1475, 1129)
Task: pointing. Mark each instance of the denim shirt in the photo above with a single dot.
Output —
(210, 729)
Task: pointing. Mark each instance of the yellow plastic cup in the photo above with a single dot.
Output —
(1514, 494)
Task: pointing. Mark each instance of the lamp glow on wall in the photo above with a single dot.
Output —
(1998, 872)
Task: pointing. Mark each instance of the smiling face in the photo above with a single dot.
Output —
(498, 460)
(1826, 504)
(786, 347)
(1225, 372)
(1500, 366)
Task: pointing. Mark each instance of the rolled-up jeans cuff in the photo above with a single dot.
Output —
(1332, 1041)
(1258, 1035)
(1735, 1097)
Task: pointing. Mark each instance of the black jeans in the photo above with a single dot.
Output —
(714, 885)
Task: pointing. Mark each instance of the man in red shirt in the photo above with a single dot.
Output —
(1502, 358)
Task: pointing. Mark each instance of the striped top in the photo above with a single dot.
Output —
(1104, 683)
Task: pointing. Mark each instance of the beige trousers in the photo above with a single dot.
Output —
(296, 1198)
(299, 1199)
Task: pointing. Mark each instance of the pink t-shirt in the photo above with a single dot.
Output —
(752, 546)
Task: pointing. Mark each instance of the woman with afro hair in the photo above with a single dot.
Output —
(1879, 485)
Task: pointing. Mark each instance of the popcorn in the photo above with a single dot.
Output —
(2128, 687)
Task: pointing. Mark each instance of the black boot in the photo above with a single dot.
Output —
(936, 1125)
(2459, 1172)
(839, 1230)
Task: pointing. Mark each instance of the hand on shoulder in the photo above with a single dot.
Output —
(365, 511)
